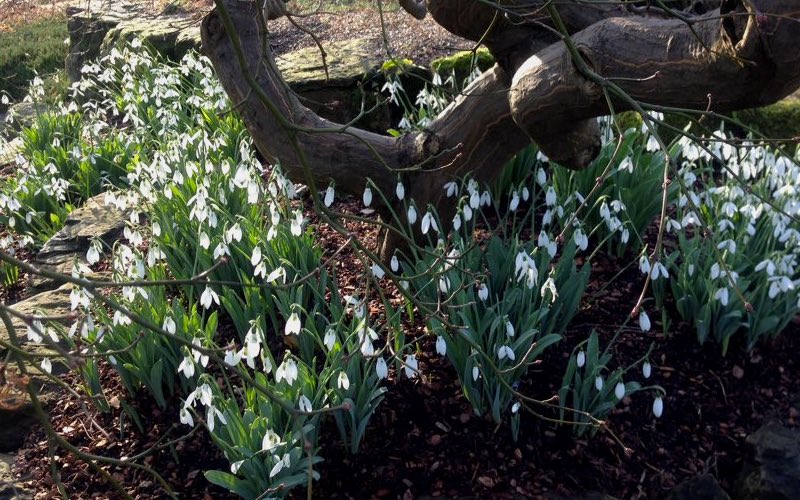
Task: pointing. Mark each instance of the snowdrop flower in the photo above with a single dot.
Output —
(598, 383)
(342, 381)
(526, 194)
(367, 198)
(255, 258)
(381, 369)
(208, 297)
(271, 441)
(626, 164)
(644, 321)
(400, 191)
(541, 176)
(506, 352)
(186, 417)
(305, 404)
(451, 189)
(232, 358)
(550, 286)
(412, 214)
(47, 365)
(169, 325)
(644, 264)
(444, 284)
(658, 271)
(456, 222)
(234, 233)
(277, 273)
(722, 296)
(411, 367)
(205, 241)
(297, 223)
(658, 407)
(429, 222)
(186, 367)
(550, 197)
(377, 270)
(286, 461)
(235, 466)
(293, 325)
(509, 327)
(287, 370)
(328, 201)
(33, 332)
(619, 390)
(514, 203)
(581, 359)
(483, 292)
(441, 346)
(330, 339)
(394, 264)
(476, 373)
(646, 369)
(93, 254)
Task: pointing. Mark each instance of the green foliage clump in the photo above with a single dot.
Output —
(463, 63)
(31, 49)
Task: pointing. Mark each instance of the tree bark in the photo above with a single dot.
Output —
(741, 55)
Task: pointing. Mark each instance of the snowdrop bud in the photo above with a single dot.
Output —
(381, 370)
(646, 369)
(411, 366)
(441, 346)
(395, 264)
(367, 196)
(619, 390)
(598, 383)
(658, 407)
(644, 321)
(483, 292)
(400, 191)
(412, 214)
(581, 359)
(475, 373)
(328, 196)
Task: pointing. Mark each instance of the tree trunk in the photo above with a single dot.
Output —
(740, 55)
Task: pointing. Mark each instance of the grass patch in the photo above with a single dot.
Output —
(37, 47)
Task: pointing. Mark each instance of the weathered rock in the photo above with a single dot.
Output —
(24, 114)
(9, 486)
(172, 37)
(9, 151)
(702, 487)
(50, 303)
(94, 219)
(773, 470)
(88, 25)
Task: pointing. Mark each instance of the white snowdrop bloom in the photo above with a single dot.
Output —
(526, 193)
(506, 352)
(467, 213)
(441, 346)
(728, 245)
(293, 325)
(444, 284)
(329, 193)
(541, 176)
(169, 325)
(297, 223)
(285, 462)
(456, 222)
(474, 199)
(605, 212)
(652, 144)
(381, 369)
(646, 369)
(428, 222)
(581, 359)
(658, 407)
(659, 271)
(486, 199)
(186, 417)
(550, 286)
(232, 358)
(221, 250)
(33, 332)
(4, 99)
(271, 441)
(46, 365)
(205, 241)
(277, 273)
(625, 236)
(367, 198)
(287, 370)
(253, 190)
(343, 382)
(93, 254)
(550, 197)
(305, 404)
(330, 338)
(186, 367)
(598, 383)
(234, 233)
(483, 292)
(255, 258)
(509, 328)
(235, 466)
(394, 264)
(411, 366)
(476, 373)
(412, 214)
(644, 321)
(377, 270)
(121, 319)
(619, 390)
(208, 297)
(400, 190)
(715, 271)
(514, 203)
(581, 240)
(722, 296)
(451, 189)
(198, 356)
(644, 264)
(626, 165)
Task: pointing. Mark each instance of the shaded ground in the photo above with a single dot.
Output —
(425, 440)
